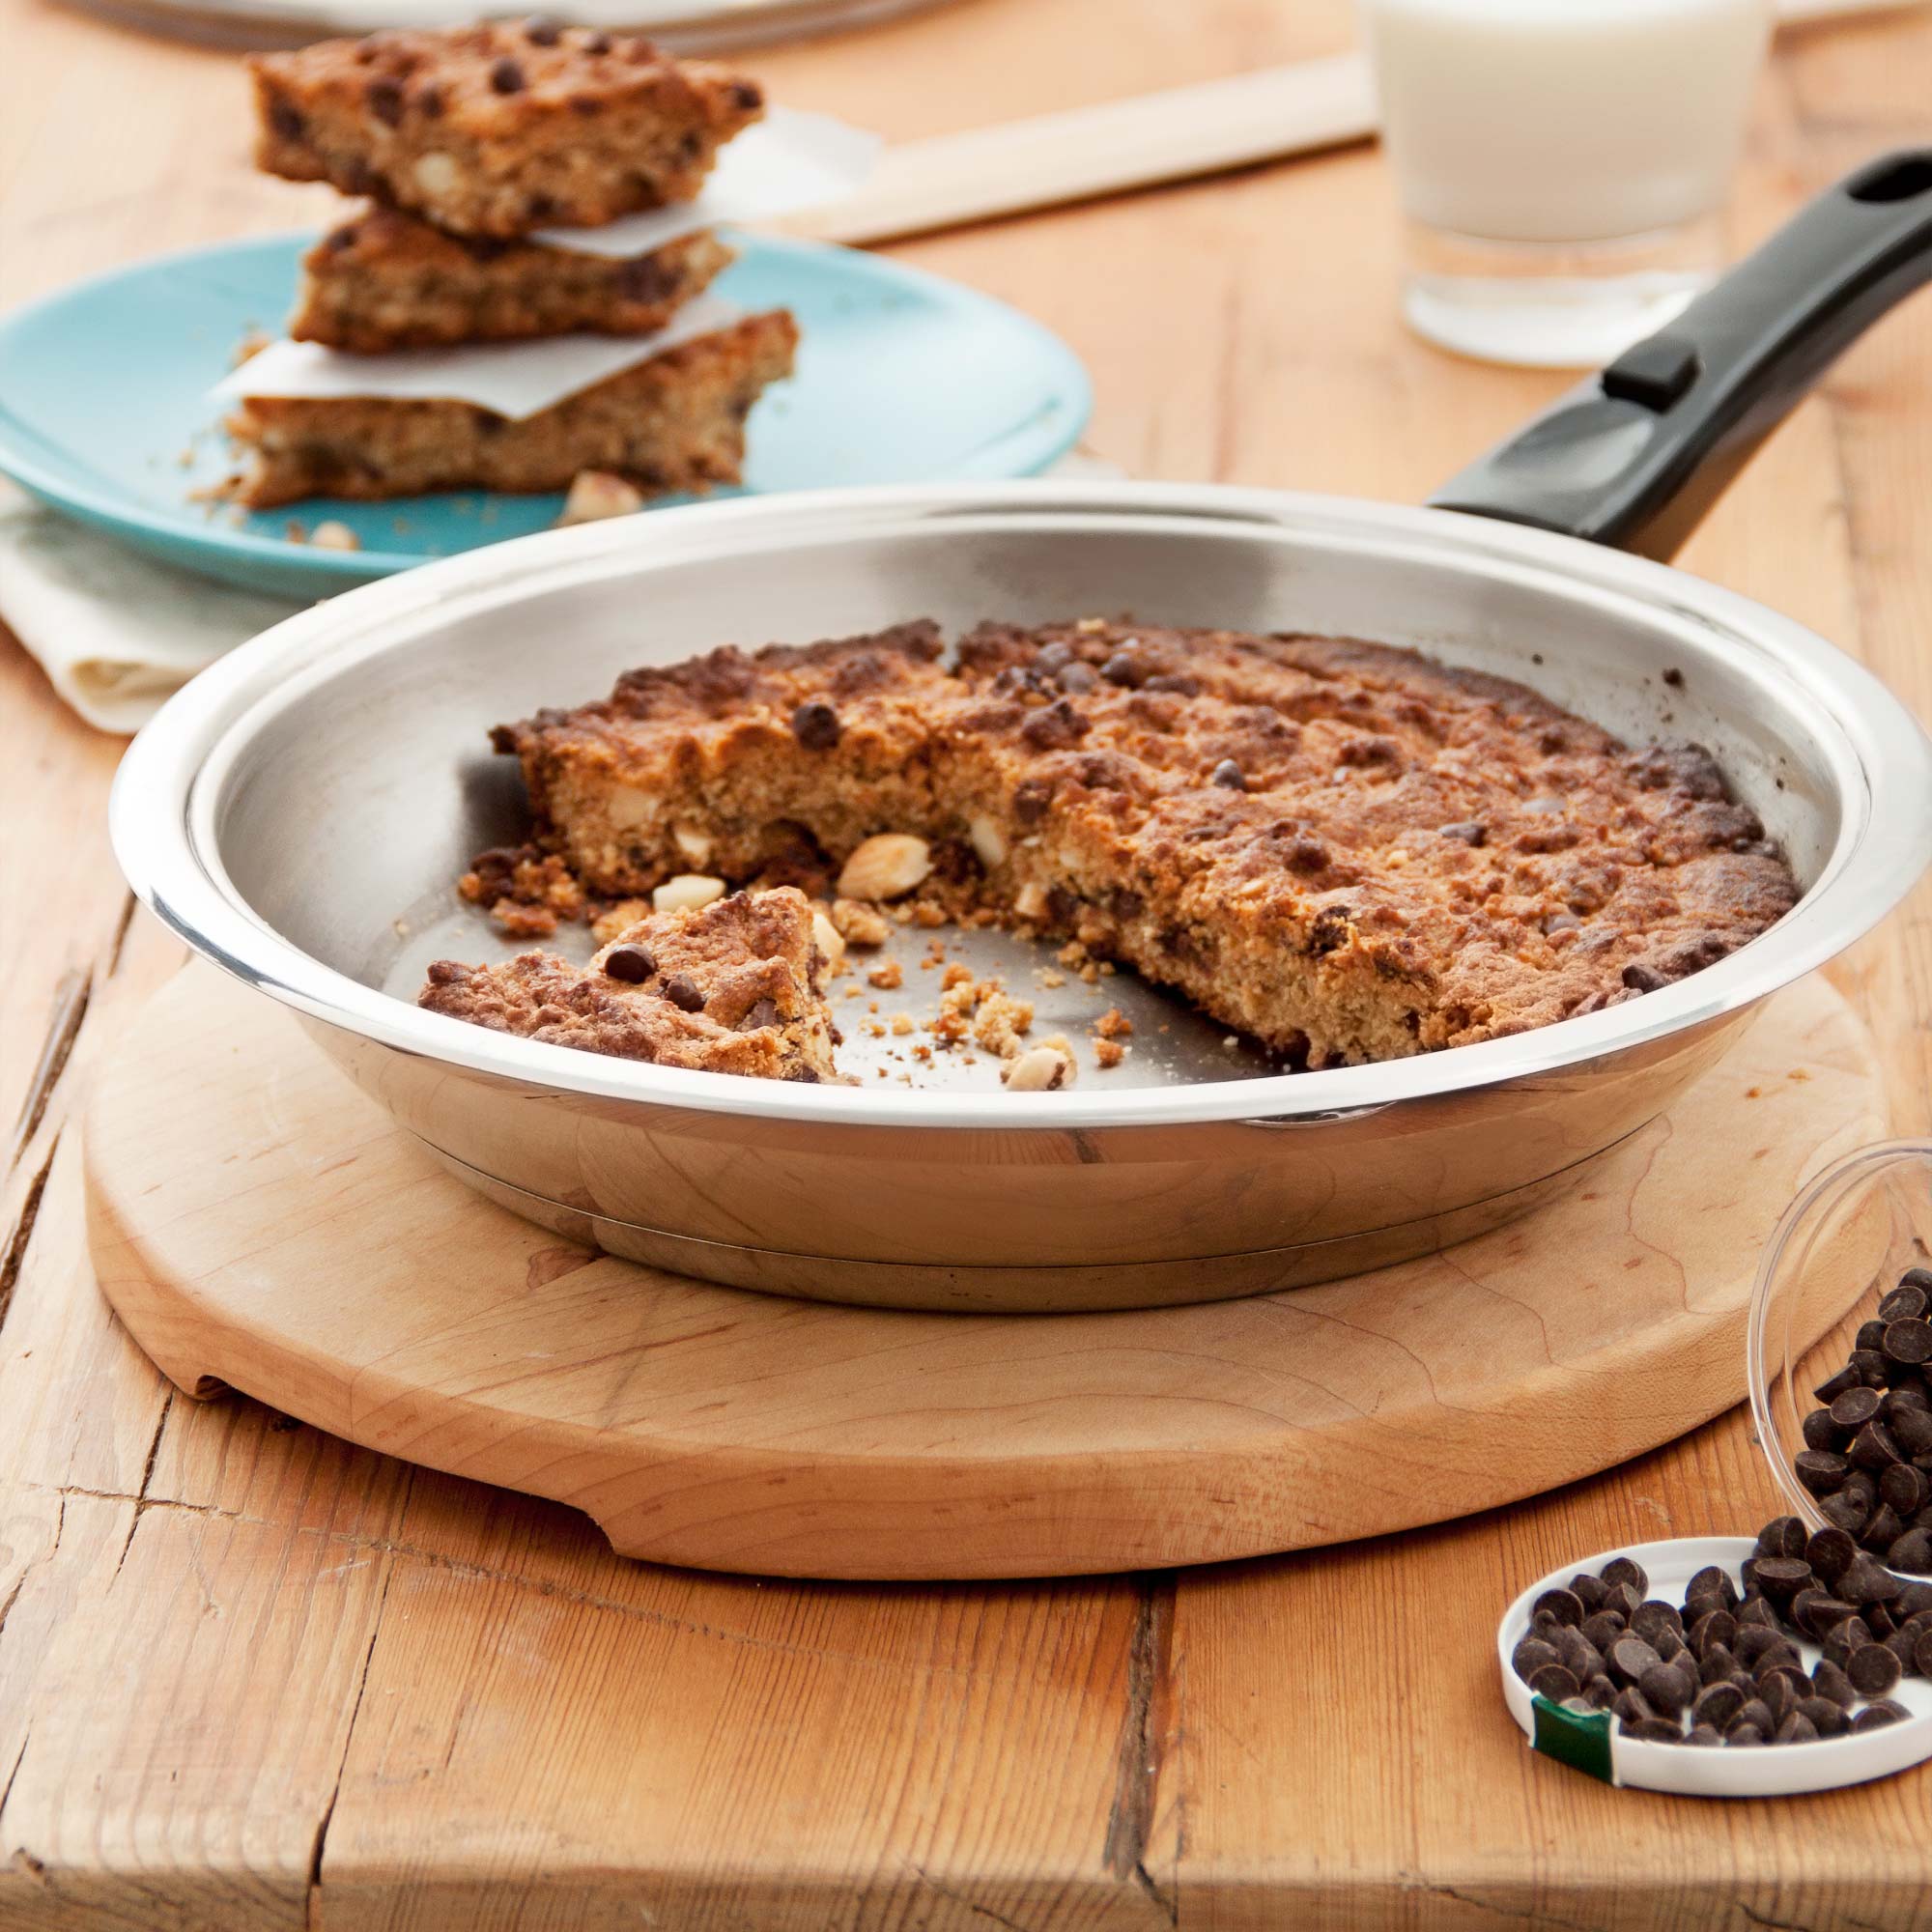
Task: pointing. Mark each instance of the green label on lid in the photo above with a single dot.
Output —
(1579, 1738)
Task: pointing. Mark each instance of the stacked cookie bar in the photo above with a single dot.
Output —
(479, 147)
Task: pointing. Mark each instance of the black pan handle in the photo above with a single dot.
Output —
(1636, 455)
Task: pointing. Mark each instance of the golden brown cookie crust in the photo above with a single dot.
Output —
(732, 987)
(499, 130)
(1344, 849)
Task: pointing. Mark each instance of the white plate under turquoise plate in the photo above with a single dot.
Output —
(901, 377)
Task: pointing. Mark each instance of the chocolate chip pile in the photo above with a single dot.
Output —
(1725, 1668)
(1867, 1453)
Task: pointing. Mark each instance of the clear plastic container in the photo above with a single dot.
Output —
(1841, 1248)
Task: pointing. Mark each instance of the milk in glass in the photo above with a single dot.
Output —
(1561, 162)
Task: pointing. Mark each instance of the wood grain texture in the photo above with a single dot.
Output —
(543, 1735)
(230, 1167)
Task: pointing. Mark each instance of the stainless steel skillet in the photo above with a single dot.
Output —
(298, 812)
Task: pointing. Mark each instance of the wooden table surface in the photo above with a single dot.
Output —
(249, 1677)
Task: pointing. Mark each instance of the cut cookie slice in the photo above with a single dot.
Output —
(499, 130)
(675, 421)
(384, 280)
(731, 987)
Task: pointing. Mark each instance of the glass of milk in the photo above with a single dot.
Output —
(1562, 163)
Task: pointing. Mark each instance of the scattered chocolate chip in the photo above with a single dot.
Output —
(1554, 1682)
(541, 31)
(1910, 1552)
(815, 725)
(1855, 1407)
(1825, 1613)
(1911, 1429)
(1642, 979)
(1782, 1536)
(1602, 1627)
(597, 42)
(1655, 1616)
(506, 77)
(1718, 1704)
(1873, 1670)
(1782, 1577)
(1621, 1597)
(763, 1012)
(1467, 831)
(1822, 1716)
(1056, 728)
(1125, 669)
(681, 990)
(1626, 1572)
(1844, 1511)
(1717, 1627)
(1563, 1605)
(1716, 1665)
(1576, 1653)
(1229, 776)
(1821, 1433)
(1906, 1302)
(1713, 1582)
(1874, 1447)
(1833, 1387)
(1846, 1637)
(1822, 1472)
(1589, 1591)
(384, 97)
(1876, 1717)
(1867, 1582)
(1829, 1553)
(1829, 1680)
(1908, 1342)
(1655, 1731)
(1883, 1530)
(1630, 1658)
(633, 965)
(1665, 1690)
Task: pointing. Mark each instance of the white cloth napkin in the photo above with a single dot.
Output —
(117, 635)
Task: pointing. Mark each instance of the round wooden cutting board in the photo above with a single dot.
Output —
(258, 1224)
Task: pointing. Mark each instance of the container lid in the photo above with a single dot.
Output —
(1594, 1742)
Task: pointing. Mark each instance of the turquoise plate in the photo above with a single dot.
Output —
(901, 377)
